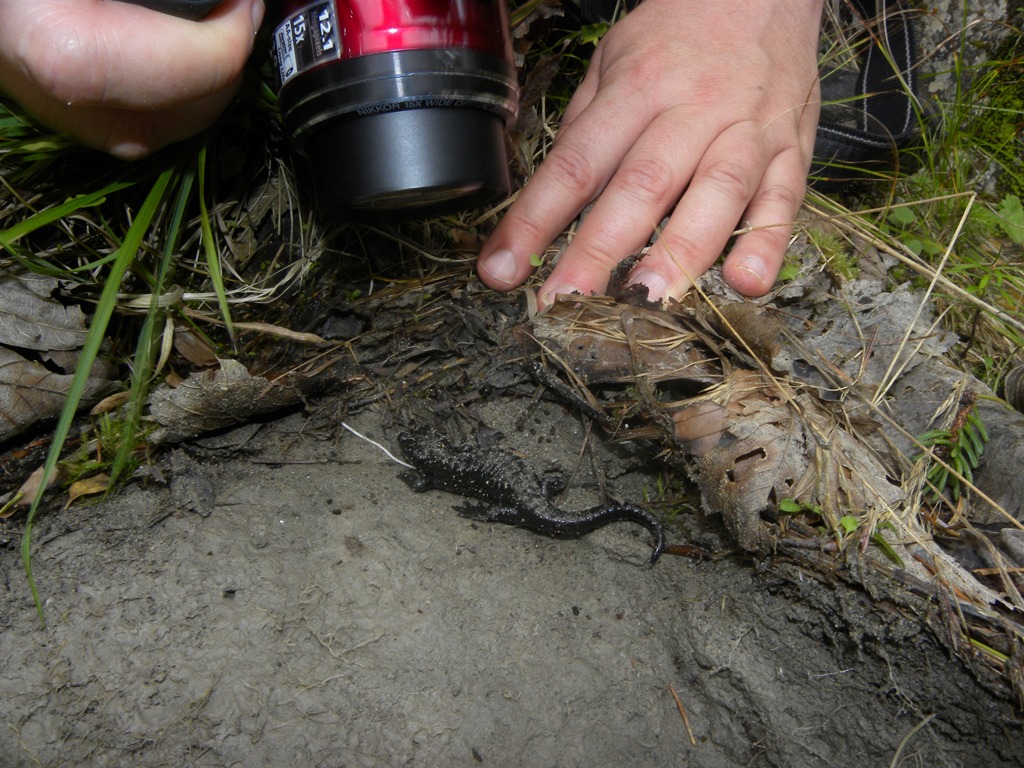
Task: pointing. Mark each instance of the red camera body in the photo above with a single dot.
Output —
(398, 104)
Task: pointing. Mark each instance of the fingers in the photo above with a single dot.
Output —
(694, 238)
(717, 127)
(93, 52)
(643, 189)
(586, 91)
(756, 258)
(130, 134)
(578, 167)
(739, 180)
(720, 200)
(724, 185)
(119, 77)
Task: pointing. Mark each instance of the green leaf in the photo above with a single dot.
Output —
(933, 434)
(902, 217)
(975, 440)
(1011, 218)
(789, 271)
(142, 365)
(848, 523)
(57, 212)
(592, 33)
(879, 541)
(791, 506)
(974, 418)
(915, 245)
(210, 249)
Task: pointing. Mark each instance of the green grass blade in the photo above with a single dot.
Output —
(57, 212)
(977, 446)
(126, 254)
(886, 549)
(142, 365)
(210, 247)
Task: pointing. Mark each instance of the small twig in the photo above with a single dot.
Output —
(266, 328)
(903, 742)
(411, 245)
(682, 713)
(388, 453)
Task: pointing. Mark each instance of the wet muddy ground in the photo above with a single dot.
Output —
(279, 596)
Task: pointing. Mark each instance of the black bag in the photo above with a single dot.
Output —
(883, 116)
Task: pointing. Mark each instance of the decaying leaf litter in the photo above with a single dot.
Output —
(798, 421)
(30, 321)
(795, 417)
(786, 413)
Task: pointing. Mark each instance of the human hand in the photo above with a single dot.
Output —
(119, 77)
(707, 108)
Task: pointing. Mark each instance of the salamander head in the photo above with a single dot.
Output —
(417, 444)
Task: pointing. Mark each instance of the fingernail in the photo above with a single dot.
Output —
(129, 150)
(656, 284)
(547, 295)
(501, 266)
(755, 266)
(258, 9)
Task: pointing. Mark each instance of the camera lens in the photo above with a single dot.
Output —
(398, 105)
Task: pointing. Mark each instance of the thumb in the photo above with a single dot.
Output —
(93, 52)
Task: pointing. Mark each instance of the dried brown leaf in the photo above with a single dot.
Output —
(762, 456)
(193, 347)
(777, 447)
(216, 399)
(88, 486)
(756, 440)
(699, 427)
(756, 327)
(29, 319)
(30, 393)
(24, 496)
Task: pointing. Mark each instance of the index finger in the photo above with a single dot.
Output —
(577, 168)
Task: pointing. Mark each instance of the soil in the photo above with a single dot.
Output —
(277, 595)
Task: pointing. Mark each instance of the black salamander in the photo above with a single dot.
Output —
(515, 495)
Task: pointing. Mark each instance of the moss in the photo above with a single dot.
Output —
(834, 253)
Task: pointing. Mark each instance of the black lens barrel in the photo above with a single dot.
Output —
(420, 129)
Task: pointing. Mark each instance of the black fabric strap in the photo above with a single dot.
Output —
(884, 116)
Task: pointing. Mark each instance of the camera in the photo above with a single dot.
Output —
(398, 105)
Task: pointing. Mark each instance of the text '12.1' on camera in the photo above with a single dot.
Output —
(398, 104)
